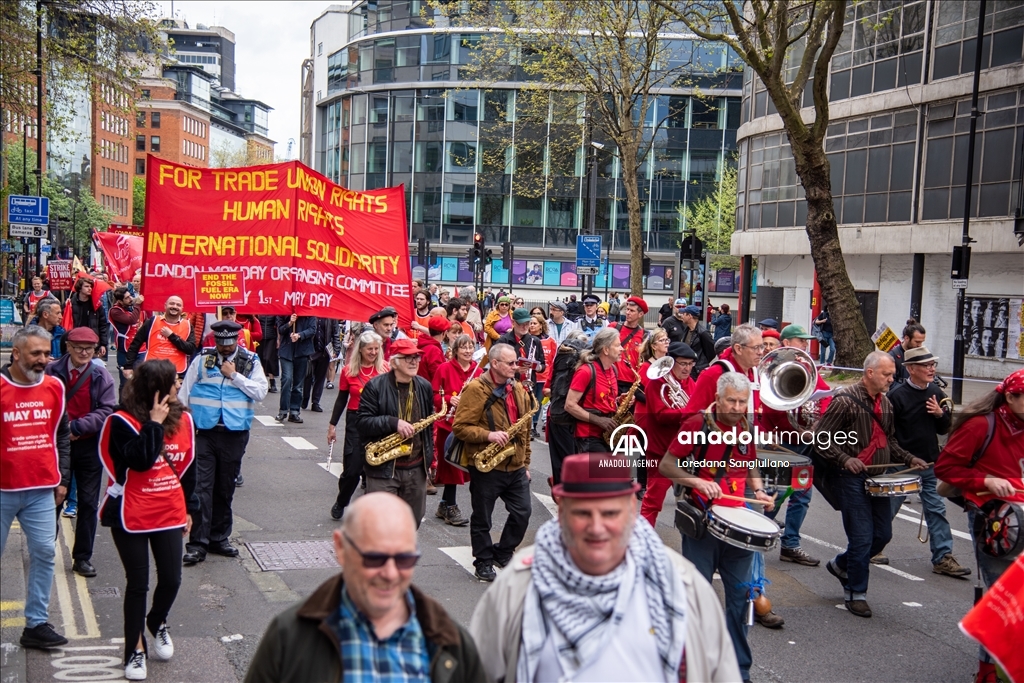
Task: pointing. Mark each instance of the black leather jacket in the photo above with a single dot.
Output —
(378, 417)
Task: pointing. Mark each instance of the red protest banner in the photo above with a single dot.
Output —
(59, 275)
(122, 252)
(997, 621)
(133, 230)
(298, 242)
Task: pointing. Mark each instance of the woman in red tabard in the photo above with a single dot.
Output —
(365, 361)
(451, 378)
(147, 451)
(539, 329)
(986, 472)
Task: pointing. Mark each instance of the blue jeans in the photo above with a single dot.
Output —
(35, 512)
(796, 511)
(867, 521)
(735, 566)
(991, 568)
(940, 537)
(72, 497)
(828, 349)
(538, 393)
(293, 372)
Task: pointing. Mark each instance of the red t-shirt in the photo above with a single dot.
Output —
(734, 478)
(1004, 457)
(601, 398)
(354, 385)
(631, 339)
(550, 348)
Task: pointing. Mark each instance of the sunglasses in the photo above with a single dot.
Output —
(378, 560)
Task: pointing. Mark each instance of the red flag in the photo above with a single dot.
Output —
(67, 321)
(997, 621)
(123, 254)
(99, 288)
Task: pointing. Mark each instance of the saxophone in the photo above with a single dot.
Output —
(493, 454)
(622, 415)
(395, 446)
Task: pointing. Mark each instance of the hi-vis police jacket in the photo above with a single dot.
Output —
(217, 400)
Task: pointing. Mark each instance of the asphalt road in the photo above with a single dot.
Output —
(225, 604)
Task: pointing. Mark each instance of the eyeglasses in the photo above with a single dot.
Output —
(409, 359)
(378, 560)
(931, 366)
(81, 349)
(759, 347)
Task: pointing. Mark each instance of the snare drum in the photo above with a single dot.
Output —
(742, 527)
(794, 470)
(892, 485)
(999, 529)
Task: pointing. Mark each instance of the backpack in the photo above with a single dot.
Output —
(562, 370)
(954, 494)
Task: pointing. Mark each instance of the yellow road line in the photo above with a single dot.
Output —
(12, 622)
(92, 628)
(10, 605)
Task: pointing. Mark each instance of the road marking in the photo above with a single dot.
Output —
(463, 554)
(11, 605)
(917, 520)
(268, 421)
(912, 604)
(12, 622)
(298, 443)
(336, 468)
(883, 567)
(67, 608)
(548, 502)
(92, 627)
(842, 607)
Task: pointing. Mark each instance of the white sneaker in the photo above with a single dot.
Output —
(136, 667)
(163, 646)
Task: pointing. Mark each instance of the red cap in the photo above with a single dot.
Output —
(641, 304)
(404, 347)
(437, 324)
(589, 475)
(82, 335)
(774, 334)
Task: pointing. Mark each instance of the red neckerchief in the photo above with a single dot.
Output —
(1011, 421)
(878, 438)
(510, 399)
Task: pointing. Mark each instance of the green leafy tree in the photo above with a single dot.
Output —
(139, 200)
(789, 46)
(713, 217)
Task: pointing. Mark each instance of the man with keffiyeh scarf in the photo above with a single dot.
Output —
(600, 598)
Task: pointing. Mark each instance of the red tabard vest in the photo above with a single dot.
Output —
(161, 347)
(28, 434)
(153, 500)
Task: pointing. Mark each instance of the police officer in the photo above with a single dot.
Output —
(222, 386)
(590, 323)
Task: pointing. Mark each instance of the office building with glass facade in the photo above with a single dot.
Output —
(395, 108)
(900, 99)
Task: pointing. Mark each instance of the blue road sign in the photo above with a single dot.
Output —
(588, 254)
(26, 210)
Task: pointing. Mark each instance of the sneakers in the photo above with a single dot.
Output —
(836, 572)
(42, 637)
(163, 646)
(859, 607)
(451, 515)
(950, 567)
(798, 556)
(330, 385)
(879, 559)
(70, 510)
(239, 481)
(135, 669)
(485, 572)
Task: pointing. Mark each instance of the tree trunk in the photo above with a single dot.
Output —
(852, 338)
(636, 236)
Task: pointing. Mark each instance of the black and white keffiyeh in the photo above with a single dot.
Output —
(582, 611)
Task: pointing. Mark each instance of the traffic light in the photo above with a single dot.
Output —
(488, 258)
(423, 250)
(645, 266)
(506, 255)
(477, 252)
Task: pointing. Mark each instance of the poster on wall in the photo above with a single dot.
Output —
(534, 272)
(992, 326)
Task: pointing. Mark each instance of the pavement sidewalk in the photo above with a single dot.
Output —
(13, 662)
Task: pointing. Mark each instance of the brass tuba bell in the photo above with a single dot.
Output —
(787, 378)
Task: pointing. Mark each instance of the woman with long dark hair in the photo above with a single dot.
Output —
(147, 451)
(450, 379)
(983, 459)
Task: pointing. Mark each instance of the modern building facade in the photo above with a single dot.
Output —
(392, 107)
(900, 100)
(211, 48)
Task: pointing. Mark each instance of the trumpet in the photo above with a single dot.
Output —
(672, 393)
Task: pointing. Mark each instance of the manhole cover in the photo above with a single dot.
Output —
(105, 592)
(280, 555)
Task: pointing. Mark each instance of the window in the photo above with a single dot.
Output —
(956, 35)
(145, 94)
(140, 143)
(154, 143)
(140, 119)
(319, 49)
(461, 157)
(155, 119)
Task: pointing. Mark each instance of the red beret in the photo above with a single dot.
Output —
(774, 334)
(82, 335)
(641, 304)
(405, 347)
(437, 324)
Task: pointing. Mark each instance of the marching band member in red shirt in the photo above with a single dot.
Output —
(449, 381)
(984, 458)
(147, 450)
(35, 470)
(365, 361)
(593, 392)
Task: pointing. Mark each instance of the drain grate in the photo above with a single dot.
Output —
(276, 556)
(105, 592)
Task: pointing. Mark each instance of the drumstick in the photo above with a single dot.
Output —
(743, 500)
(987, 493)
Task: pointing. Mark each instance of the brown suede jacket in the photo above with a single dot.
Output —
(472, 426)
(300, 647)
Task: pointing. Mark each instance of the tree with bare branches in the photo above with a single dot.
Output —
(789, 44)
